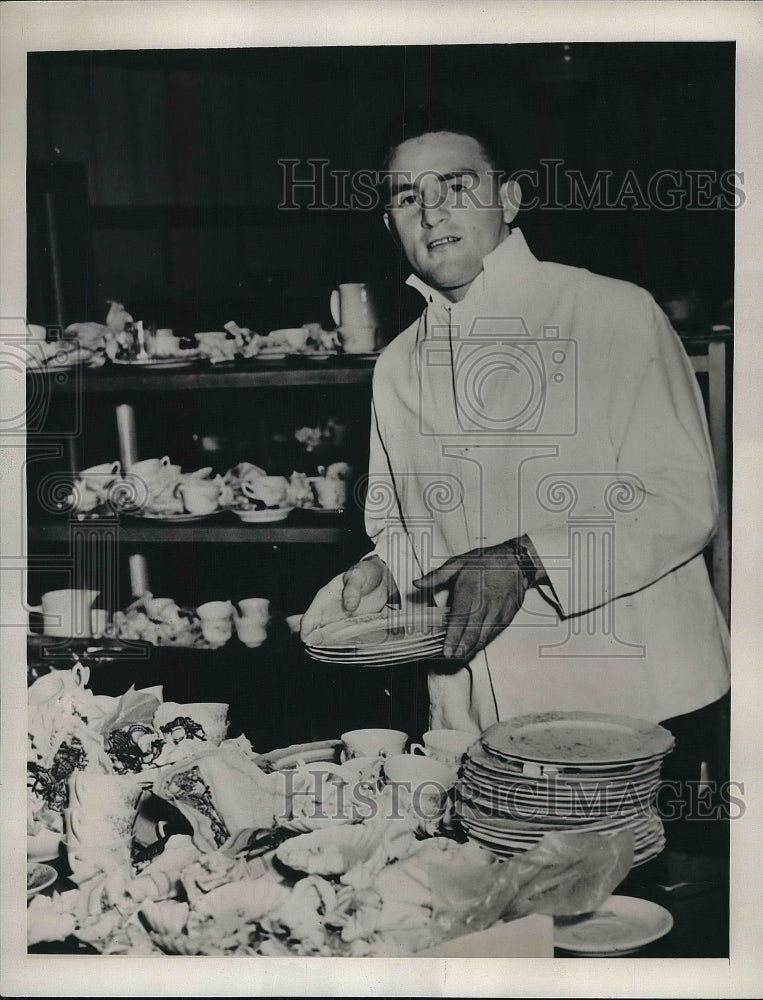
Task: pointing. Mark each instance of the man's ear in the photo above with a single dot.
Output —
(510, 194)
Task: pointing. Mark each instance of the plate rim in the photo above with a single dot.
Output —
(616, 902)
(637, 726)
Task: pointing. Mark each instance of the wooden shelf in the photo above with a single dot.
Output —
(247, 375)
(219, 530)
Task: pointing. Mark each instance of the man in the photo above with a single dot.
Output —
(539, 462)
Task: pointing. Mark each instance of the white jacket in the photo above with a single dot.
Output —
(559, 404)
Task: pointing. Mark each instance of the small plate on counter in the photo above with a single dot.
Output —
(621, 926)
(159, 363)
(171, 518)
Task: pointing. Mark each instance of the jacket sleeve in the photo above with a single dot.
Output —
(668, 504)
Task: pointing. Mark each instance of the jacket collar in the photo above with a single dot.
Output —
(502, 268)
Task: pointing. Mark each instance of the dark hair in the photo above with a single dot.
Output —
(421, 119)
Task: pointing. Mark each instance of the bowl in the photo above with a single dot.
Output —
(38, 877)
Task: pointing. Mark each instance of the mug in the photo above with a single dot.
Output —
(255, 610)
(446, 745)
(358, 339)
(372, 743)
(352, 307)
(66, 613)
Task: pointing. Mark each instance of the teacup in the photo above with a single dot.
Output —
(255, 610)
(270, 490)
(249, 631)
(147, 468)
(92, 484)
(372, 743)
(422, 783)
(66, 613)
(330, 493)
(446, 745)
(165, 343)
(215, 611)
(105, 472)
(295, 337)
(211, 717)
(216, 631)
(199, 496)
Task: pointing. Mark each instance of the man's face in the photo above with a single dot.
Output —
(446, 209)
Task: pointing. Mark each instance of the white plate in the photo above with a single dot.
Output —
(269, 356)
(266, 516)
(43, 876)
(362, 356)
(171, 518)
(622, 925)
(578, 737)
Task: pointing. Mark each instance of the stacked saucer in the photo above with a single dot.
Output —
(569, 771)
(377, 640)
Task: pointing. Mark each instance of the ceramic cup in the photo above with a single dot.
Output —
(446, 745)
(66, 613)
(422, 783)
(165, 343)
(200, 496)
(255, 610)
(149, 468)
(294, 337)
(372, 743)
(352, 307)
(270, 490)
(330, 493)
(249, 631)
(211, 716)
(294, 622)
(215, 611)
(358, 339)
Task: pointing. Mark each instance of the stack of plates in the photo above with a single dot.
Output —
(569, 771)
(376, 640)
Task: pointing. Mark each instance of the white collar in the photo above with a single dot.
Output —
(504, 263)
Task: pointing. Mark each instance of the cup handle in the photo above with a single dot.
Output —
(116, 468)
(334, 304)
(419, 748)
(344, 755)
(166, 461)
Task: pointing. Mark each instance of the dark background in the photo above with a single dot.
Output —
(170, 181)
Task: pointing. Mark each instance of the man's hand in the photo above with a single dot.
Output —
(487, 587)
(364, 589)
